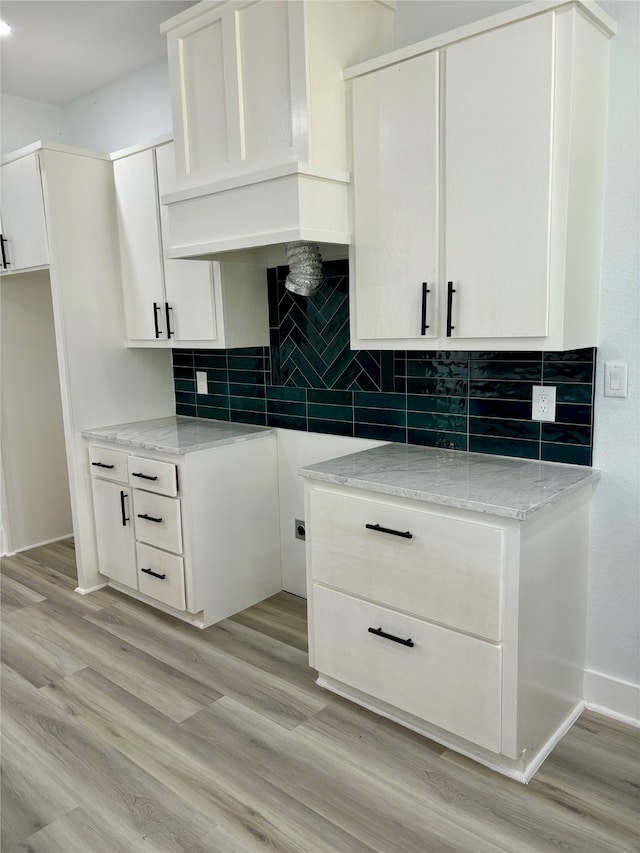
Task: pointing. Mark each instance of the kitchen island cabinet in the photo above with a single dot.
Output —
(186, 514)
(447, 591)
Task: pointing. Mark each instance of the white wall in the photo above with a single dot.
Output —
(23, 122)
(134, 109)
(35, 468)
(614, 589)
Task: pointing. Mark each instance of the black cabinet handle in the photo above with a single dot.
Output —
(153, 574)
(167, 308)
(5, 262)
(450, 292)
(380, 633)
(156, 308)
(379, 529)
(123, 511)
(143, 476)
(102, 465)
(424, 326)
(149, 517)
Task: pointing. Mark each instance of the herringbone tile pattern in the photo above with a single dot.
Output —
(310, 338)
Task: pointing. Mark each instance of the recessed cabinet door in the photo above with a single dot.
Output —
(499, 97)
(189, 285)
(395, 184)
(113, 512)
(140, 245)
(24, 229)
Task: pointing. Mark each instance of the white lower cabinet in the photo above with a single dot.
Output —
(195, 534)
(114, 531)
(464, 626)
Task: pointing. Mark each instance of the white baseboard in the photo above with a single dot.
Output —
(612, 697)
(81, 590)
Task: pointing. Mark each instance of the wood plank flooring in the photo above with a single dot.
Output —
(126, 730)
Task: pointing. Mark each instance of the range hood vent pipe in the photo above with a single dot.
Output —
(305, 267)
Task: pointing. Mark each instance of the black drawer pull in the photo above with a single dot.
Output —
(155, 574)
(143, 476)
(102, 465)
(125, 517)
(450, 291)
(5, 262)
(156, 327)
(149, 517)
(424, 325)
(378, 529)
(380, 633)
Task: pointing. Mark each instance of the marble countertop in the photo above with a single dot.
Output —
(496, 485)
(177, 434)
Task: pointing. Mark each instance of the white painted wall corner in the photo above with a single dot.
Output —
(612, 697)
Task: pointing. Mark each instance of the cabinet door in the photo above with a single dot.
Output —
(499, 96)
(113, 512)
(232, 88)
(189, 288)
(395, 185)
(24, 227)
(140, 245)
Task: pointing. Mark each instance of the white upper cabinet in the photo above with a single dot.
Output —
(178, 302)
(498, 134)
(478, 175)
(24, 230)
(260, 122)
(395, 188)
(258, 83)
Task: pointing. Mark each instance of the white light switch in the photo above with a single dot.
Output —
(201, 382)
(615, 379)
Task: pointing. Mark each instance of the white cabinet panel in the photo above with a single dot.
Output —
(24, 229)
(499, 107)
(114, 531)
(140, 246)
(395, 187)
(110, 464)
(433, 566)
(161, 576)
(189, 296)
(463, 674)
(157, 520)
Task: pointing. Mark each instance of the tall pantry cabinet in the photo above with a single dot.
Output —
(101, 381)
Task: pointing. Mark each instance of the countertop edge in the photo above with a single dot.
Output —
(177, 451)
(446, 500)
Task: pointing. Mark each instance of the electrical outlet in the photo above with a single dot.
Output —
(543, 406)
(201, 382)
(301, 532)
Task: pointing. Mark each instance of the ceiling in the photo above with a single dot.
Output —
(60, 50)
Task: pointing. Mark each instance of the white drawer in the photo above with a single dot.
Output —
(157, 520)
(445, 678)
(153, 475)
(108, 464)
(161, 576)
(443, 569)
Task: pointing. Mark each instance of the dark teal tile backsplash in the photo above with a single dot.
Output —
(309, 379)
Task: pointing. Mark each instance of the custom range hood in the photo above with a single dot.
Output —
(260, 128)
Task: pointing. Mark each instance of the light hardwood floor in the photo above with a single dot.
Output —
(126, 730)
